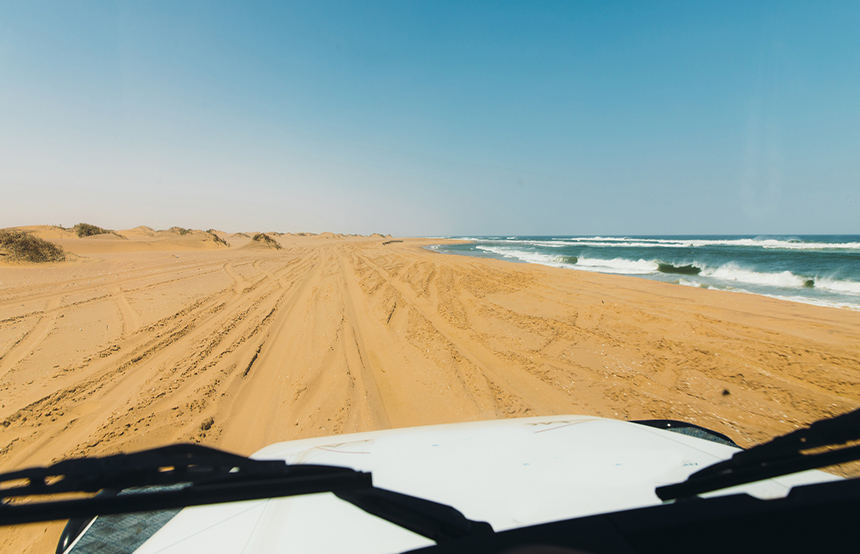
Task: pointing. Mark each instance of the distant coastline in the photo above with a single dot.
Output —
(822, 270)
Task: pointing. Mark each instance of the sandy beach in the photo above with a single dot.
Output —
(146, 338)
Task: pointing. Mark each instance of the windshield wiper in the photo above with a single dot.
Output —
(184, 475)
(781, 456)
(207, 476)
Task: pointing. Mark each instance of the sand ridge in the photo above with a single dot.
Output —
(134, 346)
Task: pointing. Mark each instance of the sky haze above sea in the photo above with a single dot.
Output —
(433, 118)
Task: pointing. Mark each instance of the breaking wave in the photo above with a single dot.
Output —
(729, 273)
(836, 285)
(822, 269)
(617, 265)
(527, 256)
(733, 273)
(636, 242)
(688, 269)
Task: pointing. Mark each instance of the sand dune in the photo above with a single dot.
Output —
(134, 346)
(139, 231)
(48, 232)
(263, 241)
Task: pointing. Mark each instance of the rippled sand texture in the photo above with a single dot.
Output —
(142, 342)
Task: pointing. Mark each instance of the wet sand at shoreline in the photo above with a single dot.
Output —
(159, 338)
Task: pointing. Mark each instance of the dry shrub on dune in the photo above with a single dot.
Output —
(22, 246)
(88, 230)
(263, 238)
(216, 238)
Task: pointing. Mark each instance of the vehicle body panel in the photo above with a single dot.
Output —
(510, 473)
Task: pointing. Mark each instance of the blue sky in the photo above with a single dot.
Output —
(433, 118)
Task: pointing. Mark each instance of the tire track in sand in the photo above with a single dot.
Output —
(508, 388)
(31, 340)
(363, 366)
(239, 282)
(181, 379)
(130, 319)
(276, 381)
(115, 380)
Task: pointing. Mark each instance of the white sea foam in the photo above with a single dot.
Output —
(640, 242)
(730, 273)
(825, 302)
(828, 291)
(813, 245)
(617, 265)
(606, 241)
(548, 243)
(808, 300)
(836, 285)
(733, 272)
(525, 256)
(766, 243)
(729, 276)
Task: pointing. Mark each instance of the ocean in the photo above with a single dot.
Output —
(814, 269)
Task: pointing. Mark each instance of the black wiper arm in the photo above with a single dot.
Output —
(781, 456)
(438, 522)
(193, 475)
(208, 476)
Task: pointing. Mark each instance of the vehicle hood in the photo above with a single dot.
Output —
(509, 473)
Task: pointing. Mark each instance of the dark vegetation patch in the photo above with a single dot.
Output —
(263, 238)
(22, 246)
(87, 230)
(390, 241)
(216, 238)
(180, 230)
